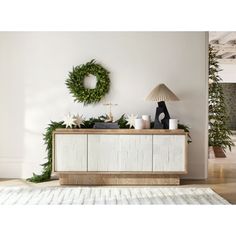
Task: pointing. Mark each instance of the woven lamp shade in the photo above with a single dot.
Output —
(161, 93)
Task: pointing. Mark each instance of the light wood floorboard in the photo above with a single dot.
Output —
(221, 177)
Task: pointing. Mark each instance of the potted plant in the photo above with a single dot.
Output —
(219, 134)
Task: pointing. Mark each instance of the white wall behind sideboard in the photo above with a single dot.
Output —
(34, 66)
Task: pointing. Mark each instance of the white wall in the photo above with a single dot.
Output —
(34, 66)
(228, 73)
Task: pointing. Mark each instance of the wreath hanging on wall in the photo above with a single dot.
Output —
(75, 82)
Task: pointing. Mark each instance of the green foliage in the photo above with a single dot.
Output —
(91, 121)
(186, 129)
(75, 82)
(219, 134)
(47, 166)
(122, 122)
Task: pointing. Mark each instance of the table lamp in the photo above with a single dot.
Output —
(161, 94)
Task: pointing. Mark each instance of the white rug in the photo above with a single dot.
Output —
(108, 195)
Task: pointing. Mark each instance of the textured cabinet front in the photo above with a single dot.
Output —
(70, 152)
(119, 152)
(169, 153)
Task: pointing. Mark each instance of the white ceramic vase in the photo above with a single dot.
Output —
(138, 123)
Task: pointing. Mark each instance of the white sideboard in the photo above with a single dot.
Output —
(119, 156)
(71, 152)
(119, 152)
(169, 153)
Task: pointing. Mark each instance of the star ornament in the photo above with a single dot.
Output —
(79, 120)
(69, 121)
(131, 120)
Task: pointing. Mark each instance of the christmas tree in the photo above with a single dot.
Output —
(219, 134)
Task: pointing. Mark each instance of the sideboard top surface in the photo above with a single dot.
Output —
(122, 131)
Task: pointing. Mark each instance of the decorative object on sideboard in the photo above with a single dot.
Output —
(69, 120)
(107, 122)
(138, 123)
(173, 124)
(75, 82)
(131, 120)
(79, 120)
(161, 94)
(106, 125)
(146, 121)
(109, 115)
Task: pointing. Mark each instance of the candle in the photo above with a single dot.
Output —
(138, 123)
(173, 124)
(146, 121)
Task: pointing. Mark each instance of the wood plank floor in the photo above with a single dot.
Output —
(221, 178)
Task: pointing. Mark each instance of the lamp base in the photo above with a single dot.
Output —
(164, 123)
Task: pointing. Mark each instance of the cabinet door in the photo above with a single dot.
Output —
(119, 153)
(169, 153)
(70, 152)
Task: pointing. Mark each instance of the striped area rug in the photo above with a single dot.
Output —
(108, 195)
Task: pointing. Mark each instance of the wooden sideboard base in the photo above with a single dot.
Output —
(118, 179)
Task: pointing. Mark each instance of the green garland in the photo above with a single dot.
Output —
(47, 166)
(75, 82)
(187, 130)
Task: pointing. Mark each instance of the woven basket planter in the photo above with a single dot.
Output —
(219, 152)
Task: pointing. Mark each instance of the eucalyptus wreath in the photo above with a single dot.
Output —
(75, 82)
